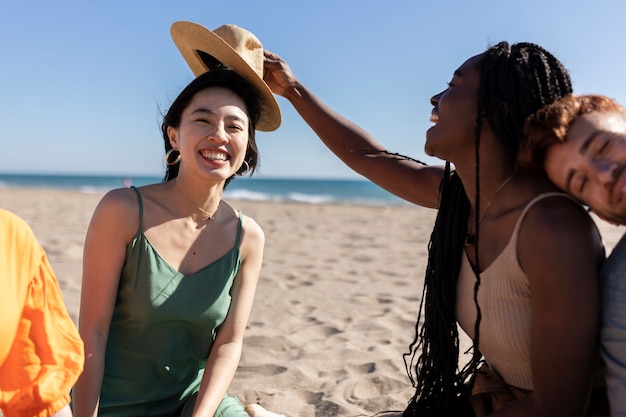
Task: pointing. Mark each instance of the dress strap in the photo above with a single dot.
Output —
(239, 228)
(534, 201)
(140, 208)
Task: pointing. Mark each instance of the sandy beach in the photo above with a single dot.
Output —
(336, 304)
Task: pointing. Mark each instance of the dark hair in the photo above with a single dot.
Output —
(515, 81)
(225, 78)
(550, 125)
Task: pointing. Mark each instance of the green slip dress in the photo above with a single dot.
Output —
(162, 330)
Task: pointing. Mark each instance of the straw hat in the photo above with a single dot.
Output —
(234, 47)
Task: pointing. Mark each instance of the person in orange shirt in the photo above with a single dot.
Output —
(41, 352)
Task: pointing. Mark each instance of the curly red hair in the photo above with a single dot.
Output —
(550, 125)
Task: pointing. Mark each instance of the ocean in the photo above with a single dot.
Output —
(313, 191)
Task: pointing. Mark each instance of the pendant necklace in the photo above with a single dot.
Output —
(470, 238)
(207, 216)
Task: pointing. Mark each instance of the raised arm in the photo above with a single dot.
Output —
(399, 175)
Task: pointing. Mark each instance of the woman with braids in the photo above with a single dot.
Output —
(511, 260)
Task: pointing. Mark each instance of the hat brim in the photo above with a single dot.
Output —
(190, 38)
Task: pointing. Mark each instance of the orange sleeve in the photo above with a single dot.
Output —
(45, 354)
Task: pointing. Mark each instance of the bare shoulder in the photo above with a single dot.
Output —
(119, 201)
(558, 211)
(557, 225)
(252, 241)
(252, 231)
(252, 236)
(119, 207)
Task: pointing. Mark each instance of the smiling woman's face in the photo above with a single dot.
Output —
(590, 164)
(213, 134)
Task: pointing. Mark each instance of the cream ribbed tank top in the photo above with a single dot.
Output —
(505, 299)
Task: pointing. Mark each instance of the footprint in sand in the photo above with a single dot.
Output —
(259, 370)
(373, 386)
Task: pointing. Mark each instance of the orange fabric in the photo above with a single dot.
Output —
(41, 353)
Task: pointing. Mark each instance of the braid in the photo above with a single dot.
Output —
(515, 82)
(436, 377)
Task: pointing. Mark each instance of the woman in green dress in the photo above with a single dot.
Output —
(170, 269)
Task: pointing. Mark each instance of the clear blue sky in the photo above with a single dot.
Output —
(83, 83)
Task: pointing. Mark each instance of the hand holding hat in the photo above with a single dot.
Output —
(235, 48)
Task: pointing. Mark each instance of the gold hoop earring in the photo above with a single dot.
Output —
(245, 171)
(167, 157)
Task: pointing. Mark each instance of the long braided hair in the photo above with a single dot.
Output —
(515, 81)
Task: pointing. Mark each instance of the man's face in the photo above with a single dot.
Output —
(590, 164)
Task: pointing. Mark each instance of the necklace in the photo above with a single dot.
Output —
(470, 238)
(208, 216)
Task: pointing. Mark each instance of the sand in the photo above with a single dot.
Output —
(336, 304)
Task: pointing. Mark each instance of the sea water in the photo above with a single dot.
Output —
(312, 191)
